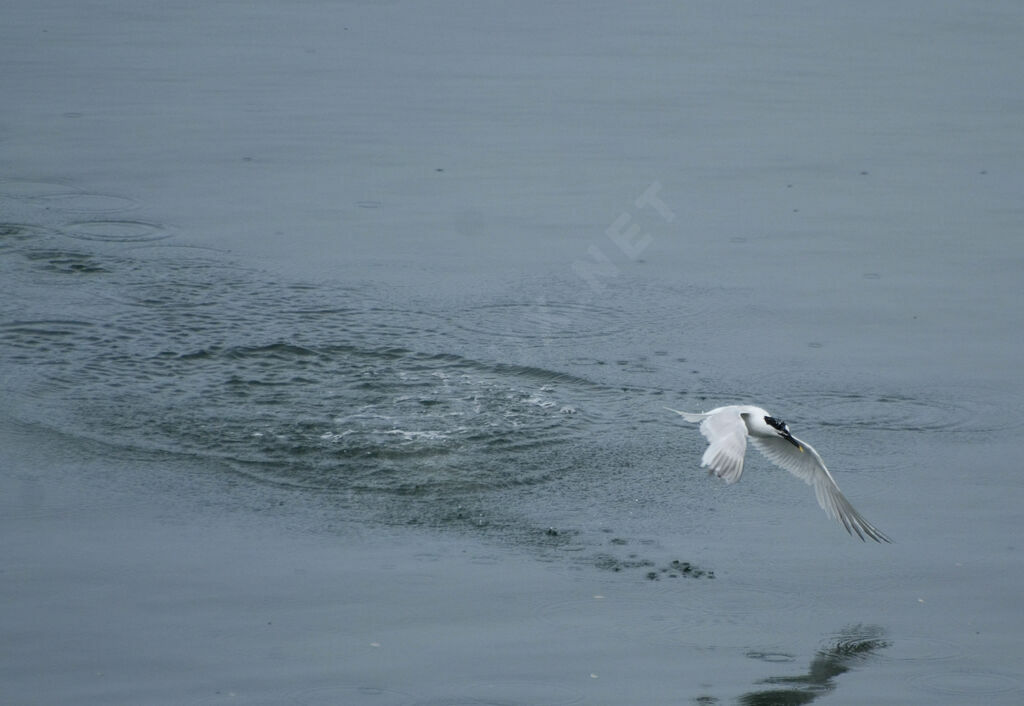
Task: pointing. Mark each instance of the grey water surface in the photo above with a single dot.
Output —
(335, 341)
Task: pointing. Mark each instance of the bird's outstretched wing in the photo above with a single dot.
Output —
(807, 464)
(727, 442)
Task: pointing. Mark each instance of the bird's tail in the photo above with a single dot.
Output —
(689, 416)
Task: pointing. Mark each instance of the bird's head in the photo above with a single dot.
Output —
(782, 429)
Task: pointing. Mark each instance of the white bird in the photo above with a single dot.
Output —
(727, 430)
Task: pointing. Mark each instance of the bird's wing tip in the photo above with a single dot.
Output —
(864, 530)
(688, 416)
(880, 536)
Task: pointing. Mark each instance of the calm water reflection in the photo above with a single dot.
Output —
(848, 649)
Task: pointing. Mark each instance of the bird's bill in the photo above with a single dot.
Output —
(789, 437)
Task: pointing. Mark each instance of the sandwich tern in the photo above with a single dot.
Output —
(727, 430)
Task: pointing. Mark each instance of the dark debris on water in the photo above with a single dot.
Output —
(675, 569)
(678, 569)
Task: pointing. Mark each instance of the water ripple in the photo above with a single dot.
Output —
(541, 320)
(116, 231)
(971, 685)
(877, 409)
(334, 417)
(86, 203)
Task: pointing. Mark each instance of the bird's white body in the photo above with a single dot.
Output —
(727, 430)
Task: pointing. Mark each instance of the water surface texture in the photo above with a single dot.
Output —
(335, 342)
